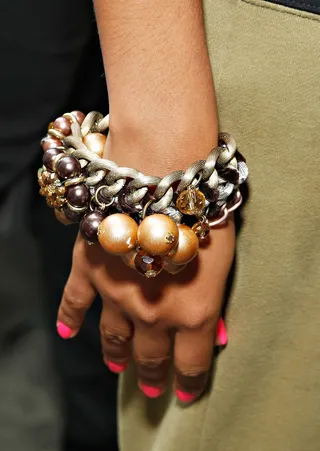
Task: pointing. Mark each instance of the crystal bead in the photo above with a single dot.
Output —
(201, 229)
(191, 201)
(148, 265)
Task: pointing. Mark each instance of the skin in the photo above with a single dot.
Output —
(163, 117)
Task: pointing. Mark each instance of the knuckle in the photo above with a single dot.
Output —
(117, 338)
(73, 301)
(149, 318)
(151, 363)
(199, 318)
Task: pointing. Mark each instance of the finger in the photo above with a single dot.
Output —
(221, 336)
(193, 357)
(152, 355)
(116, 334)
(77, 298)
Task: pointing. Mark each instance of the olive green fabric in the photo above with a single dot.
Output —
(265, 393)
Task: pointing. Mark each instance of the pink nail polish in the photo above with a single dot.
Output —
(151, 392)
(222, 332)
(63, 330)
(116, 367)
(184, 396)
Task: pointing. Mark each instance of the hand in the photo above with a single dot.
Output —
(146, 317)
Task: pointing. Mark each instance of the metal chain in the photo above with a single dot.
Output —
(115, 178)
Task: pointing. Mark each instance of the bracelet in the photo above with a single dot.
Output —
(152, 223)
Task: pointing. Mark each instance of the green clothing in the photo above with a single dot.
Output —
(265, 393)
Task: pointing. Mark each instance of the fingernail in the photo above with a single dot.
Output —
(116, 367)
(151, 392)
(63, 330)
(222, 332)
(184, 396)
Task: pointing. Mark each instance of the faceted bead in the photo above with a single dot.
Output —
(95, 142)
(191, 201)
(78, 195)
(49, 157)
(187, 248)
(201, 229)
(158, 234)
(68, 167)
(148, 265)
(72, 215)
(118, 234)
(79, 116)
(62, 217)
(63, 125)
(49, 142)
(89, 226)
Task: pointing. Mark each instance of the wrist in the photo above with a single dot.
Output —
(165, 139)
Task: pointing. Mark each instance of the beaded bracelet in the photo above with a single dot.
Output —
(152, 223)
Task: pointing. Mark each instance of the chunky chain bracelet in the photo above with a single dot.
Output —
(152, 223)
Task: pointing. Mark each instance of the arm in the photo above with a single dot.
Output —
(162, 100)
(163, 117)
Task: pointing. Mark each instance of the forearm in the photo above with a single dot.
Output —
(162, 102)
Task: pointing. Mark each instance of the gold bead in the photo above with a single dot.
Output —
(128, 259)
(117, 234)
(60, 201)
(158, 234)
(50, 202)
(95, 142)
(41, 182)
(49, 177)
(62, 217)
(201, 229)
(187, 248)
(173, 269)
(43, 192)
(60, 190)
(191, 201)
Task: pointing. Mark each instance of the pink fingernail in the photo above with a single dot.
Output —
(184, 396)
(63, 330)
(151, 392)
(222, 332)
(116, 367)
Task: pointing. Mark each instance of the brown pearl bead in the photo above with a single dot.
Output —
(72, 215)
(173, 269)
(187, 248)
(49, 142)
(95, 142)
(49, 157)
(62, 217)
(158, 234)
(79, 116)
(118, 234)
(129, 259)
(63, 125)
(68, 167)
(78, 195)
(89, 226)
